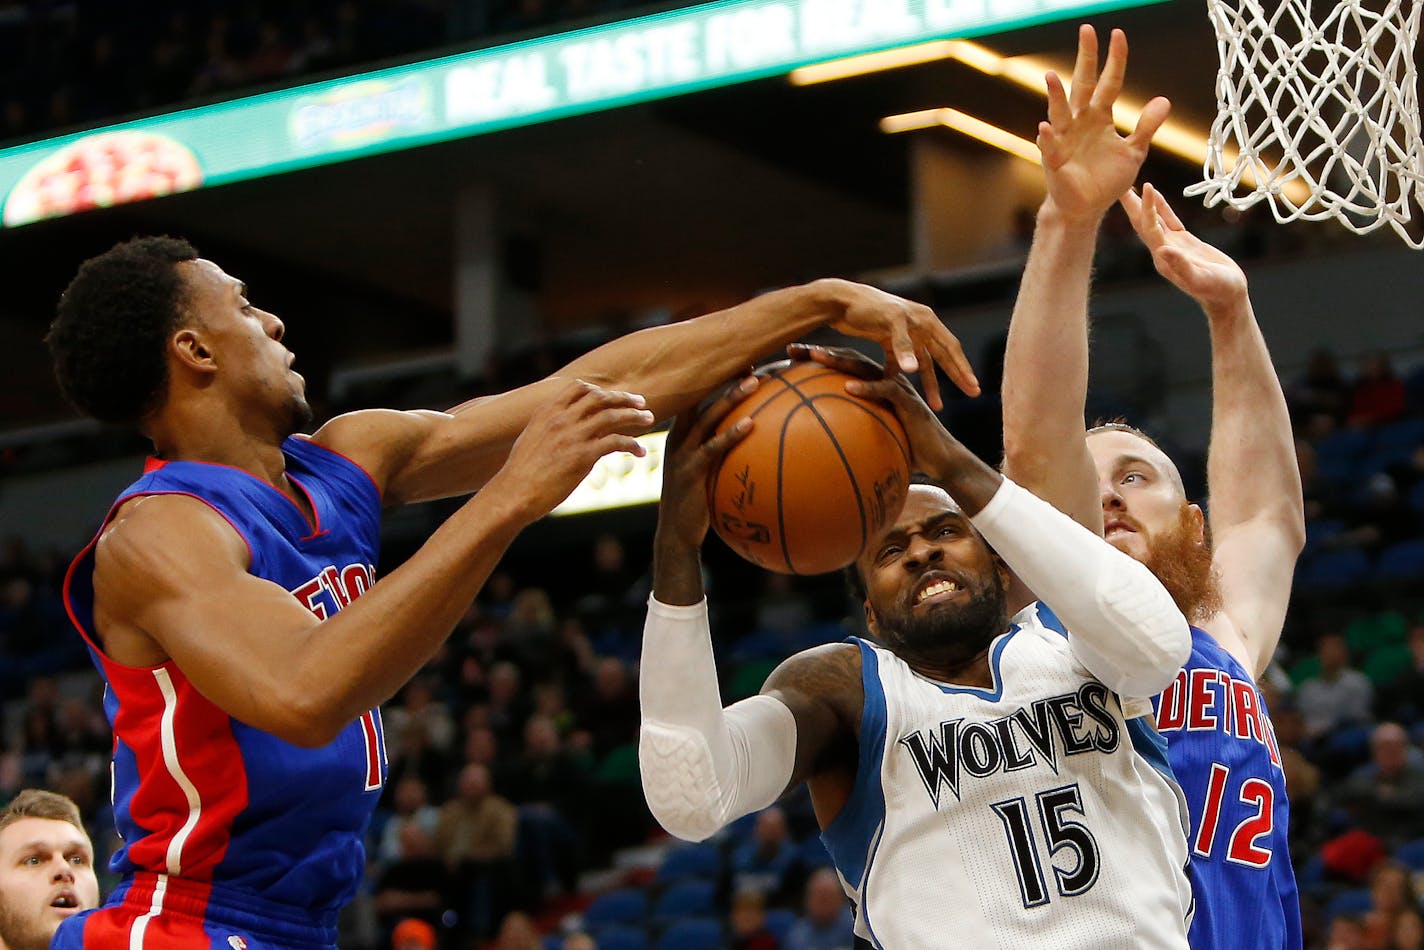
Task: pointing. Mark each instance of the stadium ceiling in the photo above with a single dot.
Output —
(700, 198)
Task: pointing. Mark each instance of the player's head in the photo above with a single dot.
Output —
(1146, 514)
(930, 583)
(149, 322)
(46, 868)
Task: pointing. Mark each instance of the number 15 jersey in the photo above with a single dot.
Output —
(1032, 813)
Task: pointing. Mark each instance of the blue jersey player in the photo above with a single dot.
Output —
(230, 598)
(1231, 578)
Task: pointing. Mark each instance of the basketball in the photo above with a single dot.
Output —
(820, 474)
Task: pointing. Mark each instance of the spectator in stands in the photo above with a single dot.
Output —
(418, 704)
(747, 921)
(412, 809)
(1320, 398)
(1402, 699)
(1378, 394)
(516, 932)
(1347, 932)
(508, 706)
(826, 922)
(1393, 900)
(579, 941)
(1302, 776)
(610, 712)
(413, 886)
(1384, 796)
(607, 594)
(477, 833)
(46, 869)
(551, 787)
(763, 862)
(1336, 696)
(413, 934)
(1409, 933)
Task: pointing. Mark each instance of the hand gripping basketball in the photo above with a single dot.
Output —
(694, 448)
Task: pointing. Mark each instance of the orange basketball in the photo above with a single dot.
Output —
(820, 474)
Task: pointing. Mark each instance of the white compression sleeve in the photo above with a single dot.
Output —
(703, 765)
(1122, 624)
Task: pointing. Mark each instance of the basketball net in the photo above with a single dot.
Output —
(1317, 115)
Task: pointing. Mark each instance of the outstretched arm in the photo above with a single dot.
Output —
(1122, 625)
(1087, 165)
(415, 456)
(704, 766)
(167, 561)
(1256, 508)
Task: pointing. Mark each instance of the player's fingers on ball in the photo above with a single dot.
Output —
(721, 443)
(718, 409)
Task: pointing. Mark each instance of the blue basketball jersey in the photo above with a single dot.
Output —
(232, 837)
(1224, 754)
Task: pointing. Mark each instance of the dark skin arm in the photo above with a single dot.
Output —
(821, 686)
(166, 563)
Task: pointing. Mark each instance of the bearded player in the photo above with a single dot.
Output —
(229, 599)
(1231, 577)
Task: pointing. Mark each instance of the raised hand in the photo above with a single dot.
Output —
(580, 425)
(1087, 164)
(692, 449)
(1210, 277)
(912, 336)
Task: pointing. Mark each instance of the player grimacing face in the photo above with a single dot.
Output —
(1146, 515)
(46, 876)
(248, 344)
(933, 587)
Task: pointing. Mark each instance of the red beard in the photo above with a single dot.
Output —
(1183, 565)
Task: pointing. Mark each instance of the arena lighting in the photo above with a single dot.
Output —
(537, 80)
(968, 125)
(619, 480)
(1027, 72)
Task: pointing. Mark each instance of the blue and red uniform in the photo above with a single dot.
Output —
(234, 838)
(1223, 751)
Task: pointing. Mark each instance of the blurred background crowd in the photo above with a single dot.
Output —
(513, 815)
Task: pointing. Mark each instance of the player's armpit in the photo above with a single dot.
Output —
(171, 575)
(822, 687)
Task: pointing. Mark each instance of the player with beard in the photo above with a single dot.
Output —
(978, 779)
(1231, 581)
(229, 599)
(46, 868)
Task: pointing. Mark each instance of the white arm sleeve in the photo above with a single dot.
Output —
(703, 765)
(1122, 624)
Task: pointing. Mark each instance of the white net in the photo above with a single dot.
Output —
(1318, 112)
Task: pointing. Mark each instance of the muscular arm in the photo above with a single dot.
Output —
(704, 766)
(171, 572)
(171, 581)
(415, 456)
(1257, 511)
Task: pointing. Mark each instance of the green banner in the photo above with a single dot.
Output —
(587, 70)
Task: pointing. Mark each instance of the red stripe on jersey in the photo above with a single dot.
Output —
(189, 826)
(173, 922)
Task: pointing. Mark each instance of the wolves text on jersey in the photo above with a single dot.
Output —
(333, 589)
(1207, 700)
(1032, 735)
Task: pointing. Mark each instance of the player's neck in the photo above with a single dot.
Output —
(197, 432)
(973, 671)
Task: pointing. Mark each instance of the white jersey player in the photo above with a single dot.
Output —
(976, 779)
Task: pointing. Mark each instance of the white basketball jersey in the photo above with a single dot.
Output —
(1031, 814)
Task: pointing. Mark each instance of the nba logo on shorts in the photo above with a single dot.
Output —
(237, 943)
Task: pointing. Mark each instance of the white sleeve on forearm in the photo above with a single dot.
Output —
(1122, 624)
(702, 765)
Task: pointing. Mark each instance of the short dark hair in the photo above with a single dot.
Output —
(38, 803)
(114, 319)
